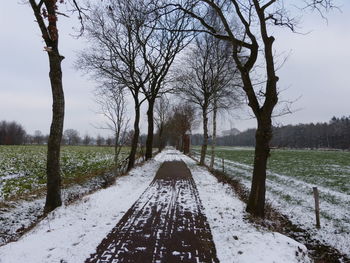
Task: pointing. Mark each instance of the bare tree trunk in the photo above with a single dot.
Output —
(256, 203)
(116, 155)
(213, 144)
(53, 196)
(116, 148)
(149, 140)
(205, 137)
(161, 144)
(135, 138)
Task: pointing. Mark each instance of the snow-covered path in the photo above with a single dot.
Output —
(166, 224)
(72, 233)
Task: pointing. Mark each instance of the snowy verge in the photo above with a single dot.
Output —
(236, 239)
(294, 199)
(17, 216)
(71, 233)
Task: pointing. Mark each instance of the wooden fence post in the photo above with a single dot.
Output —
(223, 165)
(317, 206)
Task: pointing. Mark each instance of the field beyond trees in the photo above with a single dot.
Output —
(290, 178)
(22, 168)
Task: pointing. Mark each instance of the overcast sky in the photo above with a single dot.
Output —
(317, 71)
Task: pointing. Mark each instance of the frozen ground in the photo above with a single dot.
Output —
(294, 198)
(18, 215)
(71, 233)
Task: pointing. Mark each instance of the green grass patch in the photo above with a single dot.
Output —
(23, 168)
(330, 169)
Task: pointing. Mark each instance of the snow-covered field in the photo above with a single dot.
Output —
(71, 233)
(294, 198)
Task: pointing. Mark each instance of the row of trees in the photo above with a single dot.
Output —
(72, 137)
(12, 133)
(334, 135)
(133, 45)
(174, 122)
(130, 49)
(209, 82)
(245, 26)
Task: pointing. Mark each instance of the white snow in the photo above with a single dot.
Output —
(71, 233)
(237, 240)
(334, 206)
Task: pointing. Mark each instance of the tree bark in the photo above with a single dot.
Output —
(135, 139)
(149, 140)
(116, 154)
(205, 137)
(53, 196)
(116, 148)
(213, 144)
(256, 203)
(160, 135)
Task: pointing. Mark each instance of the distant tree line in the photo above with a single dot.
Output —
(335, 135)
(13, 133)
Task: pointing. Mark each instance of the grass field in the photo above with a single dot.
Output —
(290, 178)
(22, 168)
(330, 169)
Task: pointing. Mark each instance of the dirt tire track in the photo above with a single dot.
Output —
(166, 224)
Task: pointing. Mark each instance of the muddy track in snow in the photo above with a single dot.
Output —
(166, 224)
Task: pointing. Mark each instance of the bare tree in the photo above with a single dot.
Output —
(159, 47)
(11, 133)
(100, 140)
(114, 53)
(71, 137)
(208, 80)
(38, 137)
(111, 99)
(45, 12)
(245, 25)
(162, 113)
(87, 139)
(227, 89)
(181, 121)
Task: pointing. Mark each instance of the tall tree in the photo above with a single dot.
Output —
(38, 137)
(111, 99)
(162, 113)
(114, 53)
(159, 47)
(71, 137)
(45, 12)
(208, 80)
(245, 25)
(87, 139)
(181, 121)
